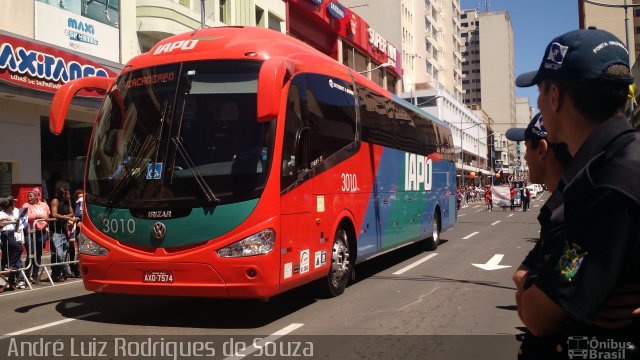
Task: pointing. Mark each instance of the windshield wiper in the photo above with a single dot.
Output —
(206, 190)
(129, 171)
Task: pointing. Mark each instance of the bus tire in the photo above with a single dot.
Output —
(432, 242)
(340, 268)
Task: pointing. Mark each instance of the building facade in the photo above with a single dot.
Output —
(612, 18)
(344, 35)
(44, 44)
(488, 65)
(428, 34)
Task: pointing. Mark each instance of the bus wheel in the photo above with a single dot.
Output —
(341, 268)
(433, 241)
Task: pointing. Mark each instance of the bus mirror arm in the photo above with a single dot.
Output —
(65, 94)
(271, 79)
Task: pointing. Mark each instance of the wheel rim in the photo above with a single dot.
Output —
(434, 229)
(339, 259)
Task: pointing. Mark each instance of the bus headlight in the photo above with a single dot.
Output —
(256, 244)
(87, 246)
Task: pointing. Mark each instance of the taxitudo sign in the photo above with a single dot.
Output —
(44, 68)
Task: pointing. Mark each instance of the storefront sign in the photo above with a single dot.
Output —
(336, 10)
(87, 29)
(337, 20)
(381, 44)
(42, 67)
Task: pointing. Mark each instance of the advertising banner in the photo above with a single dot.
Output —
(44, 68)
(86, 26)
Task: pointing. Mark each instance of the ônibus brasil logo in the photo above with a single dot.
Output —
(44, 66)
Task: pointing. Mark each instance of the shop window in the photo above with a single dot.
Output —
(5, 178)
(347, 55)
(377, 76)
(360, 61)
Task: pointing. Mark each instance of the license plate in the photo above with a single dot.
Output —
(155, 276)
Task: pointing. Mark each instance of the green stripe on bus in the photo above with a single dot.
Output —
(201, 225)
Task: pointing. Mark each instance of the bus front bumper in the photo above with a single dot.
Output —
(175, 279)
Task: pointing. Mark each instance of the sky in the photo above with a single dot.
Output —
(535, 24)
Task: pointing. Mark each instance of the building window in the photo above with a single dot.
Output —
(259, 17)
(275, 23)
(223, 11)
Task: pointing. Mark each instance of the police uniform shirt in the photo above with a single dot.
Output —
(551, 219)
(599, 247)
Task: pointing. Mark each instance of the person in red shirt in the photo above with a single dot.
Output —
(487, 199)
(513, 197)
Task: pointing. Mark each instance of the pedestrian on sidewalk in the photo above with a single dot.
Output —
(62, 211)
(38, 213)
(11, 248)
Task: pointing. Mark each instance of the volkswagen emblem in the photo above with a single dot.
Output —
(159, 230)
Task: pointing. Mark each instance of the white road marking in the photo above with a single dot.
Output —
(271, 338)
(495, 222)
(55, 323)
(411, 266)
(510, 215)
(459, 215)
(470, 235)
(493, 263)
(479, 210)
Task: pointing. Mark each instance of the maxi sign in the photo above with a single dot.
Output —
(43, 68)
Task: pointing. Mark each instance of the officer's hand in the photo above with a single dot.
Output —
(519, 275)
(621, 307)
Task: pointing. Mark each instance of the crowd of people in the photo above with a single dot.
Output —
(470, 194)
(33, 224)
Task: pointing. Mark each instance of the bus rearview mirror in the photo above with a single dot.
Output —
(273, 74)
(64, 95)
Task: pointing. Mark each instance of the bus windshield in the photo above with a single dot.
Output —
(182, 133)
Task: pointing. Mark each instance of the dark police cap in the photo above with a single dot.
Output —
(534, 131)
(583, 54)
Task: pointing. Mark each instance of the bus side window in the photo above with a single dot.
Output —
(330, 111)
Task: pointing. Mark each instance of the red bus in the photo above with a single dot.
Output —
(240, 162)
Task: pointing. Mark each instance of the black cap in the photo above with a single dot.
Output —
(534, 131)
(584, 54)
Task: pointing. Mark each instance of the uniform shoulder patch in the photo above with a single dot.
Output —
(571, 260)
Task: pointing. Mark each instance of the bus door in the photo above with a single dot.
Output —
(296, 202)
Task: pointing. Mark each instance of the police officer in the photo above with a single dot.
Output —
(546, 163)
(583, 85)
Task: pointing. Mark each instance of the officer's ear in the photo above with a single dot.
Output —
(543, 148)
